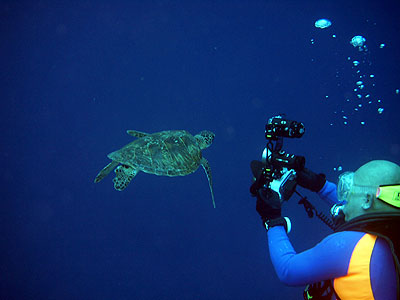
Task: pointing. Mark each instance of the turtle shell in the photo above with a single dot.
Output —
(167, 153)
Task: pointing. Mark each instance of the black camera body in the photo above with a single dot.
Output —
(277, 170)
(278, 127)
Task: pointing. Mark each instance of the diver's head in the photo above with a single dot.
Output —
(374, 187)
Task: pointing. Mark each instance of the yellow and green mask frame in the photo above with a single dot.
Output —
(389, 194)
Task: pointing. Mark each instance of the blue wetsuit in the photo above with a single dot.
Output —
(360, 265)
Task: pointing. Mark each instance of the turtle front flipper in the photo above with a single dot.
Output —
(106, 170)
(123, 175)
(136, 133)
(206, 166)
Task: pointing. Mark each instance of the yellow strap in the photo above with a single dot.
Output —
(390, 194)
(356, 285)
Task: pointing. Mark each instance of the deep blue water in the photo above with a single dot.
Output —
(75, 75)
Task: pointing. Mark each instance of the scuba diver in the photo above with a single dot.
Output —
(360, 260)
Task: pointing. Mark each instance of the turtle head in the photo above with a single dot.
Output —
(204, 138)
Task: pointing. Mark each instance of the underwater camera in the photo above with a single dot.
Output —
(277, 169)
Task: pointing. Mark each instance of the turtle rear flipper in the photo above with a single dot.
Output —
(106, 170)
(206, 166)
(123, 175)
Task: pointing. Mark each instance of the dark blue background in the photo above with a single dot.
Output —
(75, 75)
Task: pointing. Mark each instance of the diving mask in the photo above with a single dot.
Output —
(344, 186)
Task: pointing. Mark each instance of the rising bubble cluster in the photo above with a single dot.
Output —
(361, 96)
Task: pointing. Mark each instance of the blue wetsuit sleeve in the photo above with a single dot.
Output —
(328, 193)
(328, 259)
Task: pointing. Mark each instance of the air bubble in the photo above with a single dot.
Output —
(358, 41)
(323, 23)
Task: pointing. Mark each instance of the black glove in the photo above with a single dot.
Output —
(257, 168)
(310, 180)
(268, 204)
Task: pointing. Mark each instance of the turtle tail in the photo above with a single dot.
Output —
(123, 175)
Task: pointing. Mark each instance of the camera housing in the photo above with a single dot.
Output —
(278, 167)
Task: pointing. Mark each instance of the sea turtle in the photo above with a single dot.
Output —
(166, 153)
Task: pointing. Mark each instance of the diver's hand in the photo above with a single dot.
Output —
(268, 204)
(257, 168)
(310, 180)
